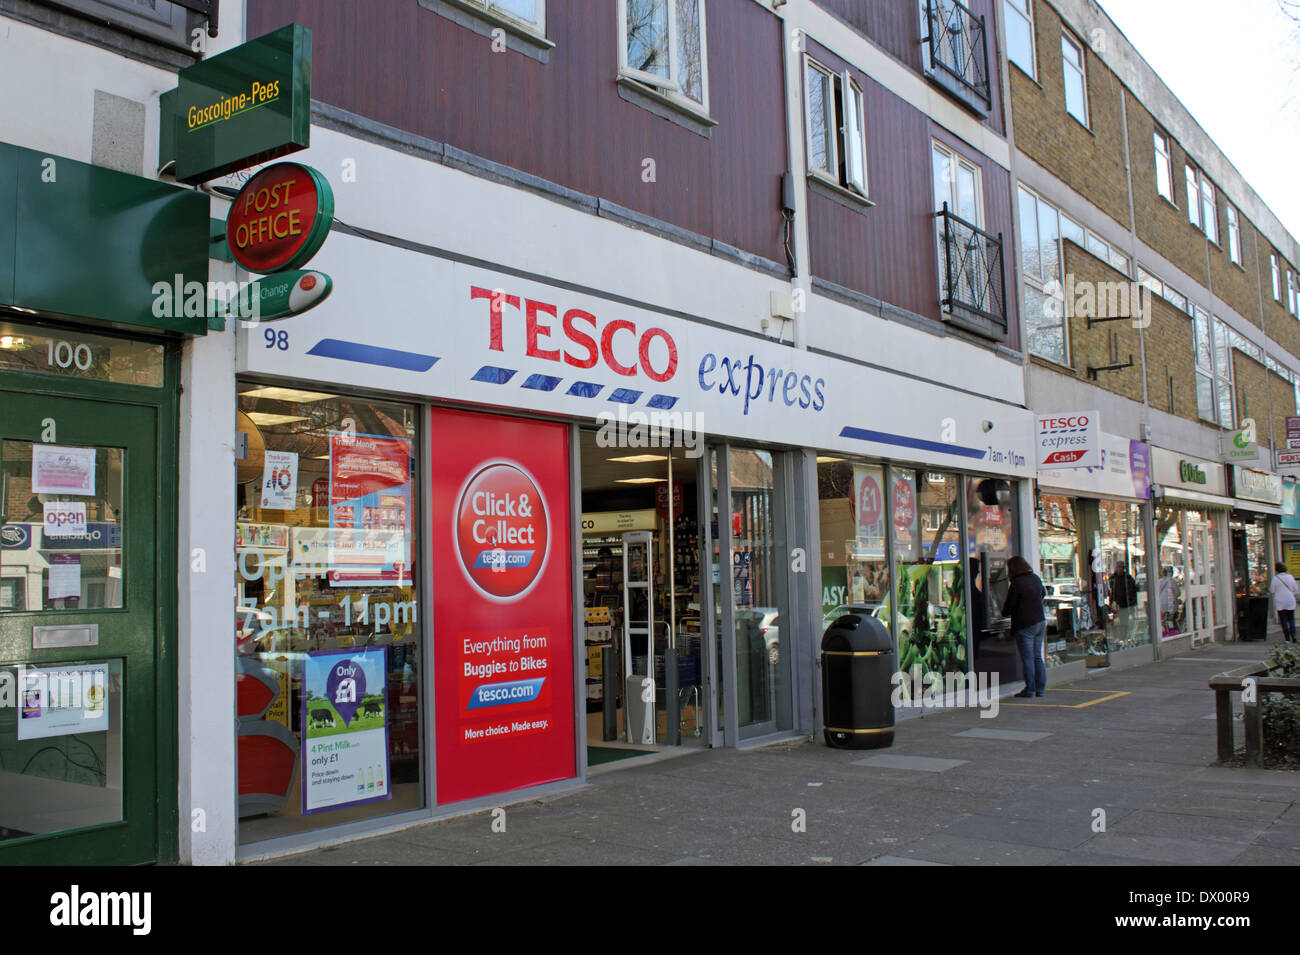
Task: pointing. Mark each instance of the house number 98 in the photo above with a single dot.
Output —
(63, 354)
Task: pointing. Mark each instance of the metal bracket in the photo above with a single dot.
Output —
(1092, 372)
(1114, 318)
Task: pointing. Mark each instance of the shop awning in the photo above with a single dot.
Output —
(1196, 497)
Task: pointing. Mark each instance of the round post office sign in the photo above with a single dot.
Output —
(280, 218)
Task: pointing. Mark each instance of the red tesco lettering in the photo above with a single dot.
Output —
(580, 340)
(1075, 421)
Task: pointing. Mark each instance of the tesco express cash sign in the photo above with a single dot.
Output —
(581, 340)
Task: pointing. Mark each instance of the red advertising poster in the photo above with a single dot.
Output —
(370, 510)
(502, 604)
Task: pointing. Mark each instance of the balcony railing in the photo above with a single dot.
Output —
(971, 277)
(958, 51)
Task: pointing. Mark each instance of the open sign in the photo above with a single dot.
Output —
(65, 519)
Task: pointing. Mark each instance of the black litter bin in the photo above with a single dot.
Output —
(857, 670)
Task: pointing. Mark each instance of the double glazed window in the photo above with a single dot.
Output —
(1234, 235)
(836, 141)
(1076, 82)
(1020, 34)
(1201, 209)
(1164, 167)
(1213, 370)
(530, 14)
(662, 44)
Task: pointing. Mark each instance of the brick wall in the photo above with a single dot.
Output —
(1169, 351)
(1162, 224)
(1091, 346)
(1250, 387)
(1091, 160)
(1281, 394)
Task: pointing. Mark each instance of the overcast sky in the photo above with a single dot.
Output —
(1235, 65)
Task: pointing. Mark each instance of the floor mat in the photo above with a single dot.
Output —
(608, 754)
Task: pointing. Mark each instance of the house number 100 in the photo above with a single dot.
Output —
(65, 355)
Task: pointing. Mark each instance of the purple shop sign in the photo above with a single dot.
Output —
(1139, 465)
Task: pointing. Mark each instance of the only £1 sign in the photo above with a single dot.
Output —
(280, 218)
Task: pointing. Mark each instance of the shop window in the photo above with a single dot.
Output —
(1186, 597)
(929, 603)
(852, 517)
(326, 583)
(993, 532)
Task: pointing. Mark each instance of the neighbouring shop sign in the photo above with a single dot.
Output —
(1069, 439)
(1242, 448)
(1251, 485)
(1293, 432)
(280, 218)
(1287, 463)
(503, 657)
(246, 106)
(1124, 470)
(1291, 552)
(1172, 469)
(282, 295)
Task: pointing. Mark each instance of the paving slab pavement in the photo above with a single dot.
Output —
(1129, 780)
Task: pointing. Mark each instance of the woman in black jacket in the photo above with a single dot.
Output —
(1024, 605)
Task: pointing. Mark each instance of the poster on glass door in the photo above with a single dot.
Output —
(370, 510)
(344, 728)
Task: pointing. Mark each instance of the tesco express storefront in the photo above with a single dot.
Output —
(408, 537)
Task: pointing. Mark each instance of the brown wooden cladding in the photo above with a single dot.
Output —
(890, 251)
(895, 26)
(399, 64)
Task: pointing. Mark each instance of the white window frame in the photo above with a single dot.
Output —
(1164, 160)
(668, 86)
(1277, 278)
(1024, 10)
(1081, 69)
(855, 143)
(849, 139)
(1290, 292)
(832, 156)
(494, 7)
(1234, 234)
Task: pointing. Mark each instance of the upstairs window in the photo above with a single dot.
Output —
(1020, 35)
(1193, 197)
(530, 14)
(662, 44)
(161, 20)
(1209, 211)
(1234, 236)
(1164, 168)
(1277, 280)
(836, 141)
(1076, 82)
(1290, 292)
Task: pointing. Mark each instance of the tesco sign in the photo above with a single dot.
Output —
(1068, 440)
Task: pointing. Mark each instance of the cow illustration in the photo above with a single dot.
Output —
(372, 707)
(320, 717)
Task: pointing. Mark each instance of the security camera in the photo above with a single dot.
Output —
(987, 426)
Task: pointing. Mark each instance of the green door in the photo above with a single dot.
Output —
(80, 612)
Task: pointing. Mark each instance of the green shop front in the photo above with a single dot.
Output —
(103, 276)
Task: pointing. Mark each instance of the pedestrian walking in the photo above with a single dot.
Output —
(1024, 605)
(1283, 588)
